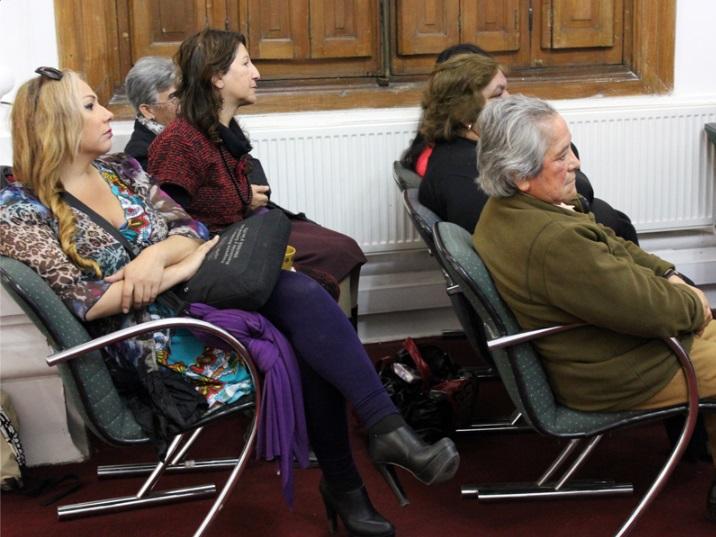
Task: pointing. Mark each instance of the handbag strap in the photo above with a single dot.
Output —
(423, 368)
(168, 298)
(100, 221)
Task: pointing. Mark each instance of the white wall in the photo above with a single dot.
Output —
(695, 61)
(26, 42)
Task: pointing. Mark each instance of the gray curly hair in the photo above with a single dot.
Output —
(512, 142)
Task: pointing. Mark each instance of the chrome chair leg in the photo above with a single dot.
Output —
(177, 464)
(579, 461)
(232, 480)
(183, 451)
(686, 432)
(563, 456)
(543, 488)
(512, 423)
(159, 469)
(125, 503)
(140, 469)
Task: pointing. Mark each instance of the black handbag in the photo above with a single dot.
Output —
(239, 272)
(242, 269)
(432, 393)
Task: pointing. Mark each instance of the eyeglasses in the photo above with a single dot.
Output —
(173, 100)
(50, 72)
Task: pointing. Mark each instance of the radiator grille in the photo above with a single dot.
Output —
(654, 164)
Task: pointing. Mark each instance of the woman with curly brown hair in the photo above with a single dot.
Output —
(443, 152)
(456, 93)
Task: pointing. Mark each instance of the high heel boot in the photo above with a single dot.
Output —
(357, 513)
(429, 463)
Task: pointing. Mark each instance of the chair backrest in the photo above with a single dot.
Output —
(404, 177)
(86, 380)
(519, 367)
(710, 129)
(5, 174)
(423, 218)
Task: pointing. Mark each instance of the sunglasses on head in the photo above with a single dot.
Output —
(46, 73)
(49, 72)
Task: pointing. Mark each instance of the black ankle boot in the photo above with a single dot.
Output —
(429, 463)
(357, 513)
(711, 502)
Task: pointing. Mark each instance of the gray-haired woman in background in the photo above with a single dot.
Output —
(150, 90)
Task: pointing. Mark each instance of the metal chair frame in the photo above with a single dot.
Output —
(423, 219)
(581, 443)
(404, 177)
(175, 458)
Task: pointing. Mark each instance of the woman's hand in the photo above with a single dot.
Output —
(140, 279)
(187, 267)
(259, 197)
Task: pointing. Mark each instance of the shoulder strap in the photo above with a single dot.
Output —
(167, 298)
(100, 221)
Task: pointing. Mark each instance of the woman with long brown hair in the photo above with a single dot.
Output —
(204, 159)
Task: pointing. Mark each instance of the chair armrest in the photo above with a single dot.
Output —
(153, 326)
(692, 396)
(143, 328)
(524, 337)
(692, 403)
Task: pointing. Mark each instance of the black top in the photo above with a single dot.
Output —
(450, 190)
(138, 145)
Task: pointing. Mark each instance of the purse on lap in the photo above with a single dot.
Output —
(242, 269)
(239, 272)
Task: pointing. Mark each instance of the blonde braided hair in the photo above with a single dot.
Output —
(47, 126)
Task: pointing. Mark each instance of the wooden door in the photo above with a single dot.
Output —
(278, 29)
(427, 27)
(343, 28)
(157, 27)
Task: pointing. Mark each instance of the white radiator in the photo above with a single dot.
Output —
(341, 177)
(652, 162)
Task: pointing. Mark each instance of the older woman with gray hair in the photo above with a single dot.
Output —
(150, 89)
(553, 264)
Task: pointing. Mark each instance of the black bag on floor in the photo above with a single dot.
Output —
(433, 394)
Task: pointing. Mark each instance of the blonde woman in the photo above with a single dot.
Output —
(87, 266)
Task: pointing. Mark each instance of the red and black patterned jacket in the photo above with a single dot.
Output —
(183, 156)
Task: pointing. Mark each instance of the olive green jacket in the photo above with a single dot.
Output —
(553, 266)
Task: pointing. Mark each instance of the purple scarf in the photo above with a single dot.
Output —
(282, 427)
